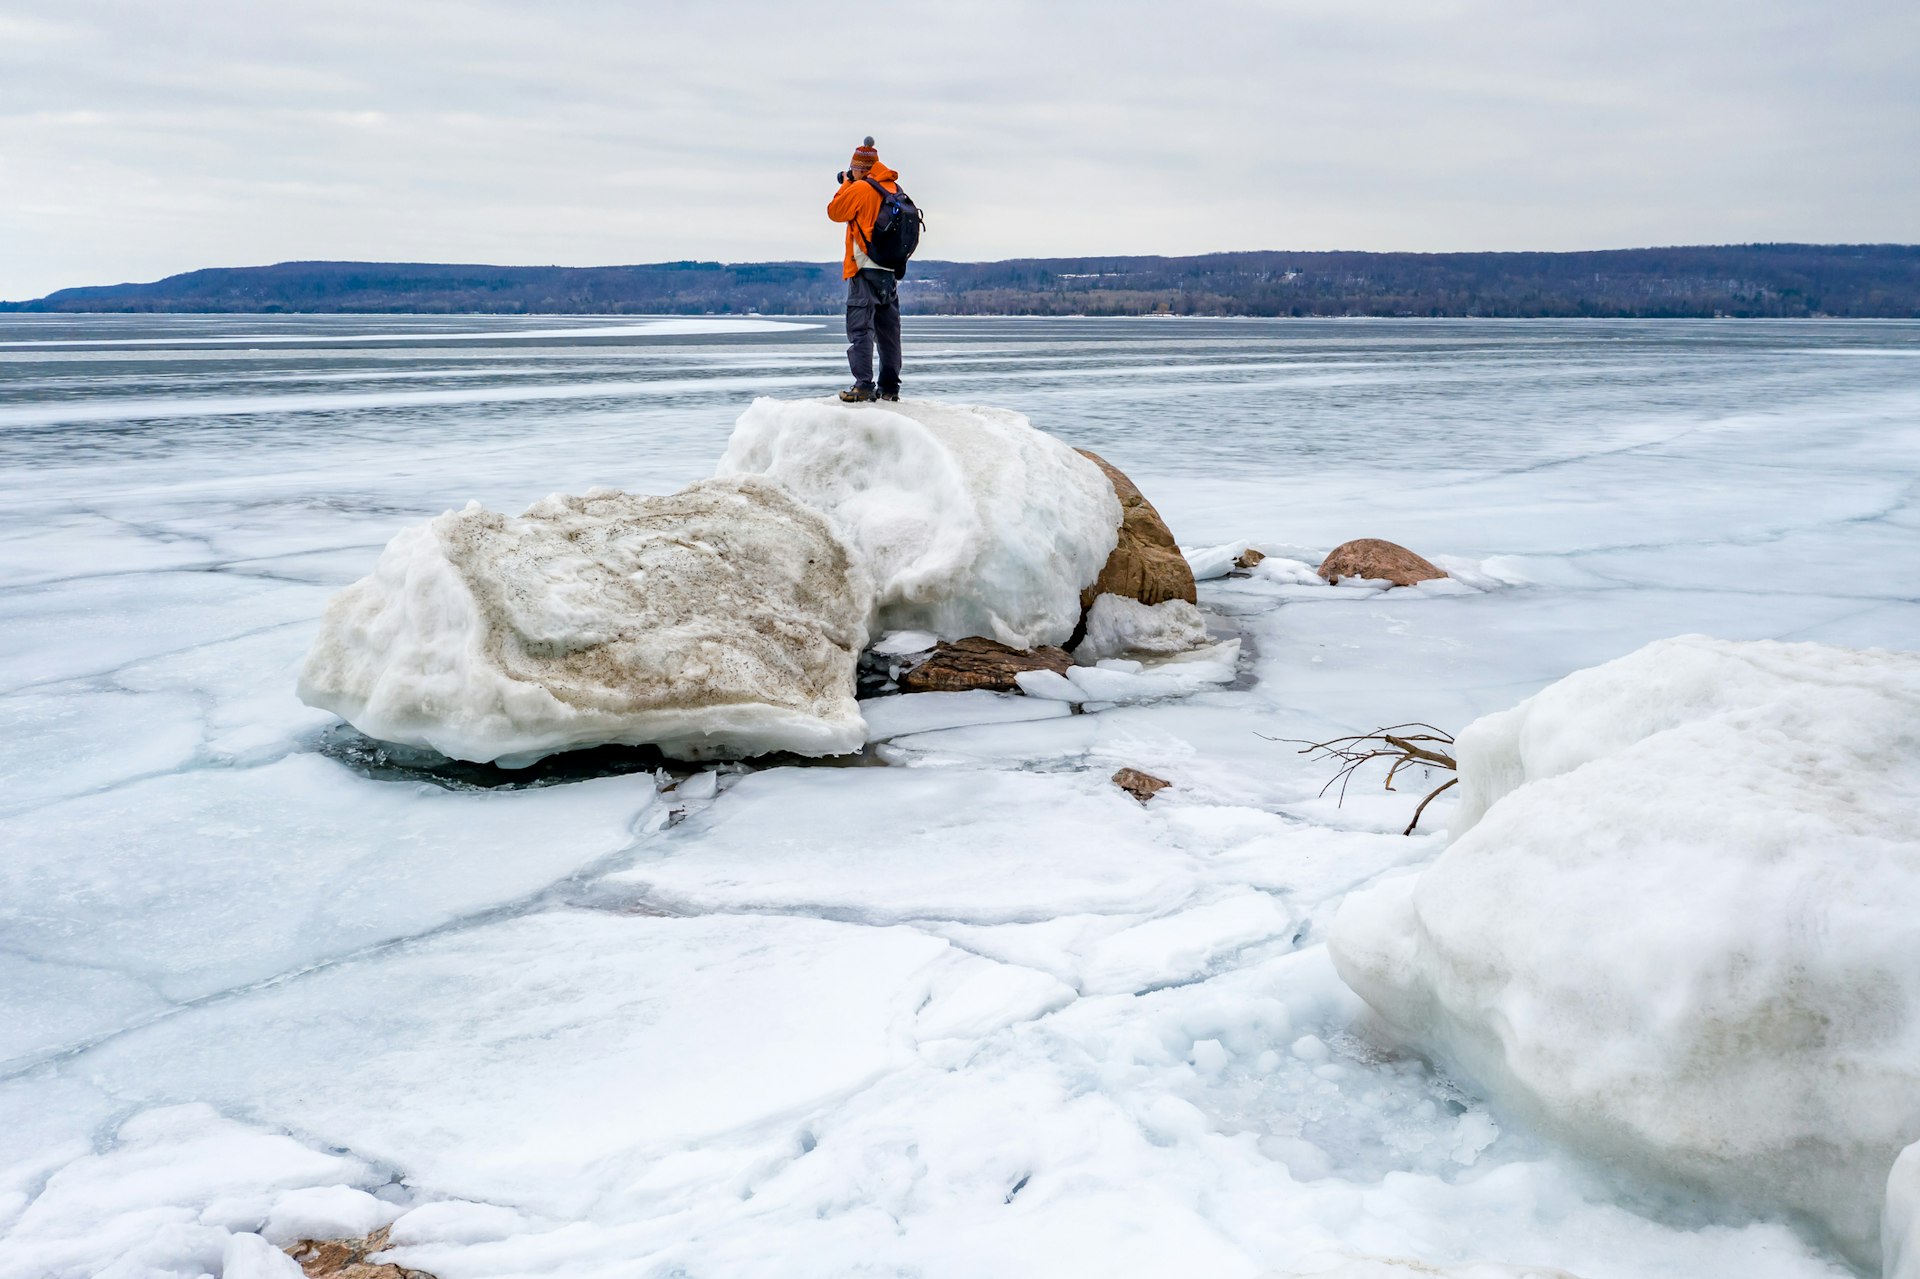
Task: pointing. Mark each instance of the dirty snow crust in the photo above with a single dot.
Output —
(970, 521)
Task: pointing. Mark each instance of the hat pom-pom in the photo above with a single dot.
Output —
(868, 142)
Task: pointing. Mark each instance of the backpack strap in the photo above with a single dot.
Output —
(884, 193)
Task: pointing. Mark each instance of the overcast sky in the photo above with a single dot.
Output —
(143, 137)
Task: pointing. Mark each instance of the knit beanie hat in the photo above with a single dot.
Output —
(864, 155)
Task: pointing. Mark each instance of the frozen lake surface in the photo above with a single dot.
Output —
(975, 1012)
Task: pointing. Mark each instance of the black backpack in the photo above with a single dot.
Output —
(896, 230)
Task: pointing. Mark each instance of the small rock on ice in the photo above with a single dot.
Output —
(1375, 559)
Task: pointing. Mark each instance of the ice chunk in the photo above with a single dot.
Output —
(248, 1256)
(1181, 945)
(1117, 625)
(1051, 685)
(723, 620)
(1209, 562)
(181, 886)
(456, 1221)
(1178, 676)
(1900, 1222)
(978, 996)
(326, 1212)
(905, 643)
(971, 521)
(139, 1200)
(1678, 925)
(1288, 572)
(889, 717)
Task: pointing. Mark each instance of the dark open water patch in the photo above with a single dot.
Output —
(386, 762)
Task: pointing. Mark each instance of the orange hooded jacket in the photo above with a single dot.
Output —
(857, 205)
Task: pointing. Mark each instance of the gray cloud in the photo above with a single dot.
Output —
(140, 139)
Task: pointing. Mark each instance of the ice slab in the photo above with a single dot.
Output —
(197, 882)
(162, 1199)
(907, 713)
(882, 845)
(1178, 676)
(497, 1062)
(1209, 562)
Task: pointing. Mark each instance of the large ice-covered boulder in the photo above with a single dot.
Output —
(970, 521)
(1679, 921)
(723, 620)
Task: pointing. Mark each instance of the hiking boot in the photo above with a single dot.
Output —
(857, 395)
(893, 394)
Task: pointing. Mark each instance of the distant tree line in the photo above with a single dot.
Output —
(1751, 280)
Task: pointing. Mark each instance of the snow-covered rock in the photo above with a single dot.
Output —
(1679, 922)
(1117, 626)
(721, 620)
(970, 521)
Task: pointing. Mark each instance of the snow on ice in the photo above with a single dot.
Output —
(975, 1011)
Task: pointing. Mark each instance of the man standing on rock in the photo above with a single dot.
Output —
(873, 296)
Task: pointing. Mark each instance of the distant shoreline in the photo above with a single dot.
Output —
(1755, 281)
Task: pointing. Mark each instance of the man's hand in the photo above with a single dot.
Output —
(841, 178)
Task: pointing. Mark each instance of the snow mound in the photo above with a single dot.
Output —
(1678, 921)
(1117, 626)
(723, 620)
(970, 520)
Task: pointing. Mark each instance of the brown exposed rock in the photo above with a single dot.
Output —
(976, 662)
(1147, 564)
(1142, 786)
(1371, 557)
(347, 1259)
(1249, 557)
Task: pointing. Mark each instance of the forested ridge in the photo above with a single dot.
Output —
(1753, 280)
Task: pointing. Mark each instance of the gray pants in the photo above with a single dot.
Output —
(873, 319)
